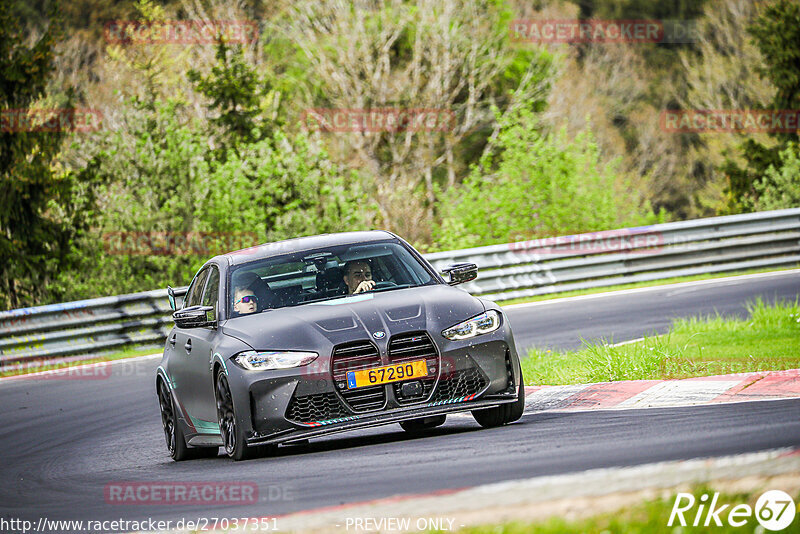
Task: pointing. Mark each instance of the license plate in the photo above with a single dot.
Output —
(387, 374)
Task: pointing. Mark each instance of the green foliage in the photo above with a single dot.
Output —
(781, 185)
(222, 153)
(234, 89)
(776, 33)
(35, 197)
(159, 179)
(542, 185)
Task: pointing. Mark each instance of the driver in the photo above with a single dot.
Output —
(358, 277)
(244, 300)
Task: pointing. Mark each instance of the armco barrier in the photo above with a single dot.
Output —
(513, 270)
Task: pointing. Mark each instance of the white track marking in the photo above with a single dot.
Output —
(728, 280)
(621, 343)
(679, 393)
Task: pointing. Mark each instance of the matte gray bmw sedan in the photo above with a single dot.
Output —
(292, 340)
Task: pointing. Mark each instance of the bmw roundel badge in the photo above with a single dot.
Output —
(380, 334)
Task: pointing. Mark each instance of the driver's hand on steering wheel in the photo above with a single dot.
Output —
(366, 285)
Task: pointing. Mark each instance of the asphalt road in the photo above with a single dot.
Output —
(632, 314)
(64, 441)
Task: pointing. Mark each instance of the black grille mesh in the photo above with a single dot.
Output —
(410, 347)
(460, 384)
(353, 357)
(317, 407)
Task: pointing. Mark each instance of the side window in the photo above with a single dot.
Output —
(212, 291)
(196, 289)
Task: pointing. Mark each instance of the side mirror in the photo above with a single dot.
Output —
(175, 297)
(459, 273)
(194, 317)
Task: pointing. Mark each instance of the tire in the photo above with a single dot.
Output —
(505, 413)
(173, 433)
(423, 424)
(234, 441)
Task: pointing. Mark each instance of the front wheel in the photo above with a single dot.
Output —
(233, 439)
(505, 413)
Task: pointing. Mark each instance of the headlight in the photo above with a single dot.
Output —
(266, 360)
(484, 323)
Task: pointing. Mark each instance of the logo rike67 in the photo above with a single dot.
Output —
(774, 510)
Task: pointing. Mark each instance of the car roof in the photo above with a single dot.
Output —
(300, 244)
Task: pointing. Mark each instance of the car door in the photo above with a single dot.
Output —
(182, 366)
(199, 350)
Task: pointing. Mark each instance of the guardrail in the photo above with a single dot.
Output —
(509, 271)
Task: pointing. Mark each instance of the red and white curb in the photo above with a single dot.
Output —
(762, 385)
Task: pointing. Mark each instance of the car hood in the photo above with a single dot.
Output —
(315, 326)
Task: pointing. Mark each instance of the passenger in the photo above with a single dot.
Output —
(244, 300)
(358, 277)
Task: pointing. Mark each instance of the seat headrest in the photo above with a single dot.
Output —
(330, 279)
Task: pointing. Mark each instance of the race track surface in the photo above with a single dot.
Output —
(63, 441)
(632, 314)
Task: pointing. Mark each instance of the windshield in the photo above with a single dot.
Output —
(323, 274)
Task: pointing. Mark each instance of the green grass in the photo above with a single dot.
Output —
(635, 285)
(642, 518)
(35, 367)
(768, 340)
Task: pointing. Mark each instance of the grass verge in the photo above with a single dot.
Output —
(646, 517)
(665, 281)
(768, 340)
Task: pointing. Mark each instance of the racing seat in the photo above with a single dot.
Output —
(330, 282)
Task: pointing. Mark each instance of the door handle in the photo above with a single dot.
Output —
(172, 340)
(188, 345)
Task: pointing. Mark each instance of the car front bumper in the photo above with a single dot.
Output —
(471, 374)
(377, 419)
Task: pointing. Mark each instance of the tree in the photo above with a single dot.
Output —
(542, 185)
(235, 91)
(35, 234)
(781, 187)
(447, 55)
(776, 33)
